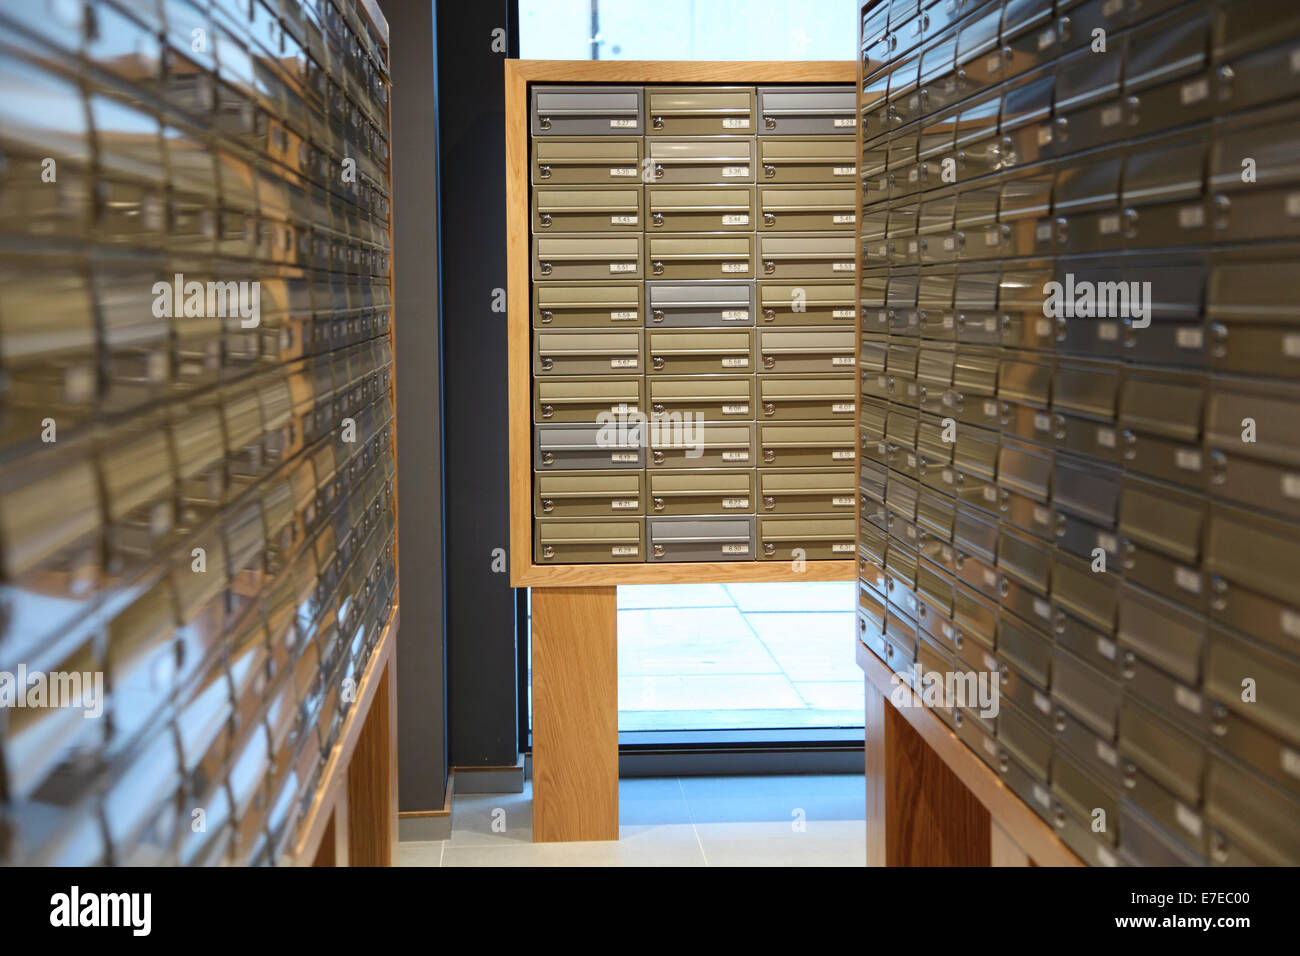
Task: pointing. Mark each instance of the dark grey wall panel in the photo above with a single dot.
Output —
(421, 648)
(481, 654)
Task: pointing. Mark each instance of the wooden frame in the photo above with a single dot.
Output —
(519, 73)
(1013, 832)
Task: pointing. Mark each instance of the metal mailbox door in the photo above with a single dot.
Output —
(811, 539)
(700, 351)
(808, 303)
(587, 209)
(700, 257)
(587, 111)
(807, 159)
(576, 541)
(700, 209)
(806, 257)
(586, 161)
(714, 304)
(701, 539)
(806, 208)
(700, 111)
(567, 305)
(807, 110)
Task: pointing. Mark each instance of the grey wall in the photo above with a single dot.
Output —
(421, 653)
(481, 653)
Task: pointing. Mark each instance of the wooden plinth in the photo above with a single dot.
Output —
(575, 714)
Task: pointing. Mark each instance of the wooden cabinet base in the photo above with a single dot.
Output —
(931, 801)
(353, 821)
(575, 714)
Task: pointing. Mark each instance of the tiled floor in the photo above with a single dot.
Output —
(671, 821)
(737, 656)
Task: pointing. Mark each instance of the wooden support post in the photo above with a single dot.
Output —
(575, 714)
(371, 791)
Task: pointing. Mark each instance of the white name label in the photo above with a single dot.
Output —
(622, 267)
(843, 408)
(841, 456)
(844, 218)
(844, 171)
(736, 362)
(623, 363)
(1188, 580)
(734, 172)
(735, 456)
(842, 360)
(622, 220)
(735, 549)
(623, 316)
(735, 315)
(843, 267)
(624, 457)
(735, 502)
(842, 501)
(622, 170)
(737, 219)
(735, 409)
(842, 549)
(842, 123)
(735, 267)
(625, 550)
(842, 313)
(734, 122)
(622, 124)
(625, 503)
(1191, 217)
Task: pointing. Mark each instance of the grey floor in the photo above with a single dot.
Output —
(672, 821)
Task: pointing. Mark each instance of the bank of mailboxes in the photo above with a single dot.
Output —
(181, 514)
(692, 308)
(1092, 504)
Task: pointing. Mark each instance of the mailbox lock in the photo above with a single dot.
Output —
(862, 625)
(1060, 721)
(1218, 467)
(657, 408)
(544, 122)
(548, 458)
(1059, 818)
(545, 219)
(769, 548)
(656, 219)
(1219, 847)
(659, 171)
(660, 550)
(657, 122)
(769, 455)
(1058, 623)
(1219, 719)
(548, 364)
(769, 361)
(1219, 332)
(769, 267)
(659, 504)
(657, 361)
(544, 268)
(956, 718)
(957, 640)
(544, 171)
(1128, 554)
(769, 408)
(769, 502)
(548, 411)
(1003, 764)
(1004, 585)
(769, 219)
(548, 551)
(657, 315)
(1004, 675)
(547, 315)
(658, 267)
(658, 457)
(769, 122)
(769, 171)
(548, 504)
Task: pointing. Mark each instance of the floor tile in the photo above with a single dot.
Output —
(492, 819)
(673, 595)
(798, 718)
(651, 801)
(670, 845)
(834, 695)
(793, 843)
(691, 642)
(810, 646)
(776, 799)
(419, 854)
(721, 692)
(810, 596)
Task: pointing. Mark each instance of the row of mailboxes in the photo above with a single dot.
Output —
(690, 351)
(686, 399)
(785, 161)
(695, 209)
(595, 494)
(739, 256)
(579, 541)
(636, 444)
(655, 111)
(695, 304)
(1103, 530)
